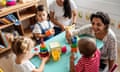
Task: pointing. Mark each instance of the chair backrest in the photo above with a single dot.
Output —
(113, 68)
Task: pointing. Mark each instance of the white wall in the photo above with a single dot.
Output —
(112, 7)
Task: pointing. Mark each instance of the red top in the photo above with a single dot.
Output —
(89, 64)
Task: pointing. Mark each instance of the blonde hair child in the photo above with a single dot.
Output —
(21, 47)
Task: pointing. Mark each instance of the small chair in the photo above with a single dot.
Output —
(113, 68)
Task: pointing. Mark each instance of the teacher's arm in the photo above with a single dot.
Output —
(74, 14)
(52, 18)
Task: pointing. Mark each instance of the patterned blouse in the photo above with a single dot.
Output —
(109, 50)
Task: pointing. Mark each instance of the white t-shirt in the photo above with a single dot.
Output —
(44, 25)
(59, 12)
(27, 66)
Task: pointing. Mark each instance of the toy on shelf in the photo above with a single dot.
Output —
(11, 2)
(49, 32)
(2, 3)
(1, 70)
(55, 50)
(74, 44)
(43, 50)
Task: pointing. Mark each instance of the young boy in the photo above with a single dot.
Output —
(43, 25)
(90, 60)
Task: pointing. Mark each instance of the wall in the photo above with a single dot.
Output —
(112, 7)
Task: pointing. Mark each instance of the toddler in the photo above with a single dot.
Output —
(43, 28)
(90, 59)
(21, 47)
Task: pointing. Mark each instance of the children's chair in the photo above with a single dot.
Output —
(113, 68)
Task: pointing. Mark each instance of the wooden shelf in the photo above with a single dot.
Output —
(5, 26)
(28, 33)
(2, 50)
(26, 16)
(17, 7)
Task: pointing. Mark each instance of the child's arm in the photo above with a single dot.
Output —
(38, 35)
(72, 66)
(32, 54)
(41, 68)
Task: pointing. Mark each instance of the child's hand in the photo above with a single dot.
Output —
(68, 36)
(36, 53)
(52, 31)
(45, 59)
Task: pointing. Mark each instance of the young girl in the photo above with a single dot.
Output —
(21, 47)
(42, 25)
(90, 60)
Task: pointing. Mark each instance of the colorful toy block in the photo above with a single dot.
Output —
(43, 50)
(49, 32)
(74, 44)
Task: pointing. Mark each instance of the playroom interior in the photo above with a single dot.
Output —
(17, 17)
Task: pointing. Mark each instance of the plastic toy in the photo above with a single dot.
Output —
(2, 3)
(11, 2)
(43, 50)
(1, 70)
(49, 32)
(55, 50)
(74, 44)
(64, 49)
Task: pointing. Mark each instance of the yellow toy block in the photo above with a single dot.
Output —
(1, 70)
(55, 49)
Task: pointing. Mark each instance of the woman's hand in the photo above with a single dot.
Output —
(68, 36)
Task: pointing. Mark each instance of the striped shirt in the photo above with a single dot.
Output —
(89, 64)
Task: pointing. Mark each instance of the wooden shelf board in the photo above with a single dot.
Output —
(26, 16)
(10, 9)
(5, 26)
(2, 50)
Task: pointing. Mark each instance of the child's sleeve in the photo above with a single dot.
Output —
(37, 29)
(51, 24)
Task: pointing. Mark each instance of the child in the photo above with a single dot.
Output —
(89, 62)
(22, 49)
(42, 25)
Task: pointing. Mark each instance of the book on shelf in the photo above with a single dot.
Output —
(12, 18)
(5, 21)
(2, 46)
(5, 40)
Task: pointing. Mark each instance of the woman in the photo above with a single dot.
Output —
(63, 13)
(99, 28)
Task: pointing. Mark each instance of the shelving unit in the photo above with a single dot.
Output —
(22, 11)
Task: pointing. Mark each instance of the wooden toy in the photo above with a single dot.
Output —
(74, 44)
(43, 50)
(55, 50)
(49, 32)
